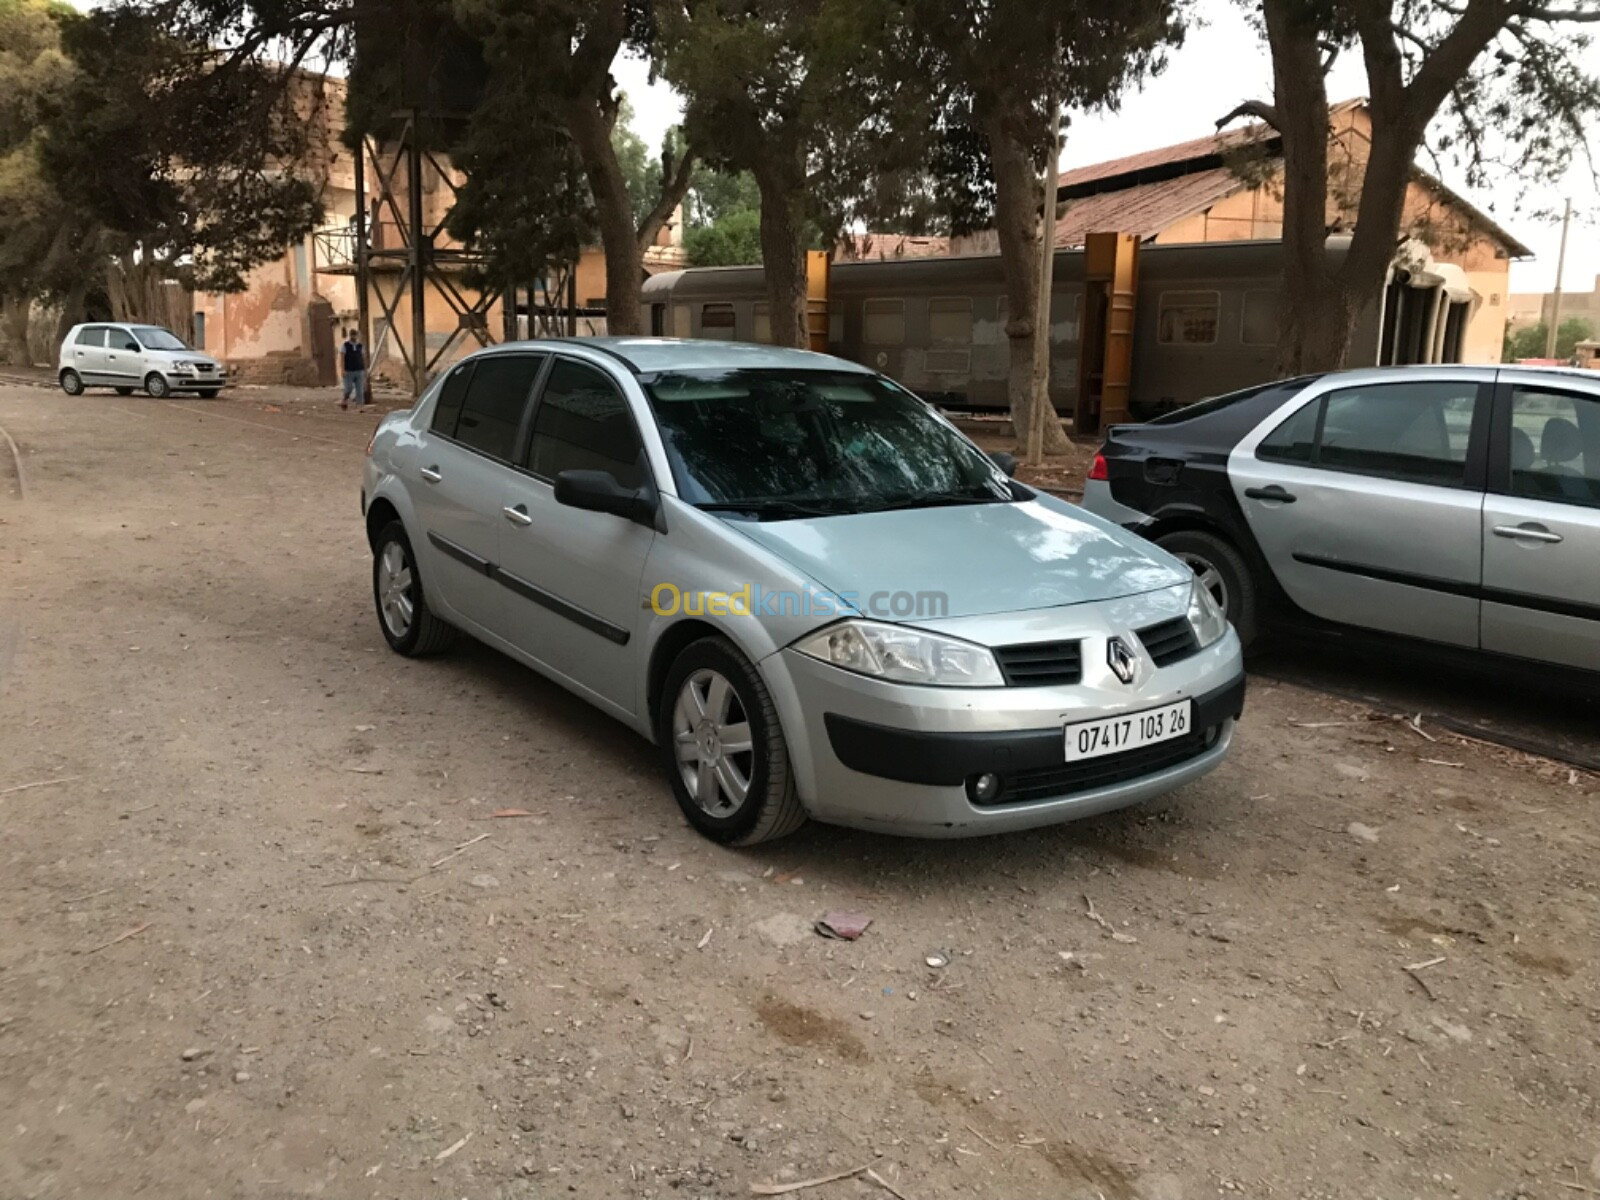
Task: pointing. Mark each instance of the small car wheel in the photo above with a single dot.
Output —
(724, 748)
(124, 391)
(155, 384)
(1223, 572)
(71, 383)
(408, 625)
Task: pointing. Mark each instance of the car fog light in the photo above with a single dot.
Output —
(985, 789)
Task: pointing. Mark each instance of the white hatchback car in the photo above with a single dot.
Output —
(131, 357)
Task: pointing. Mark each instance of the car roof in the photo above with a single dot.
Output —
(648, 355)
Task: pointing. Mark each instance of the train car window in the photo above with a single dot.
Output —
(1188, 318)
(1259, 325)
(716, 320)
(682, 321)
(950, 319)
(763, 322)
(884, 323)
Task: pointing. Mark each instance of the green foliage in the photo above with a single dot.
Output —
(716, 195)
(1529, 342)
(730, 241)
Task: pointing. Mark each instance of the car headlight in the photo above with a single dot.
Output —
(1205, 617)
(184, 365)
(903, 655)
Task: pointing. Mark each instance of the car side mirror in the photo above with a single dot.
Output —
(599, 491)
(1006, 462)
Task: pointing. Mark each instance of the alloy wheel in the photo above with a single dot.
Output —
(395, 581)
(712, 741)
(1207, 575)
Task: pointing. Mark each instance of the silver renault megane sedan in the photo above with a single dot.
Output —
(810, 590)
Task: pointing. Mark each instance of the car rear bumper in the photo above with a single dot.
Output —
(899, 759)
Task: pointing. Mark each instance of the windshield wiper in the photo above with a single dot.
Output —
(768, 510)
(939, 500)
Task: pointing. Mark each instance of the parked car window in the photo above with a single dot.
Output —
(950, 319)
(762, 332)
(1416, 432)
(786, 443)
(153, 337)
(1259, 324)
(1555, 446)
(1188, 318)
(92, 335)
(1294, 441)
(121, 339)
(884, 322)
(716, 320)
(496, 399)
(447, 411)
(583, 424)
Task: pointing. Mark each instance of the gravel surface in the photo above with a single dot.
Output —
(264, 933)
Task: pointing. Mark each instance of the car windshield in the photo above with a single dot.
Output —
(153, 338)
(782, 443)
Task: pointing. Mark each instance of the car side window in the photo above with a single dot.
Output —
(121, 339)
(1294, 441)
(497, 396)
(447, 410)
(1555, 446)
(93, 335)
(583, 424)
(1416, 432)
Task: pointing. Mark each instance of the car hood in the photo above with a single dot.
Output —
(983, 558)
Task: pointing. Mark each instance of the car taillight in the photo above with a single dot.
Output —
(1098, 470)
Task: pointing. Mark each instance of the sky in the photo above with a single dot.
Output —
(1222, 63)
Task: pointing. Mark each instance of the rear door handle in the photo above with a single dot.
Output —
(431, 474)
(518, 515)
(1271, 493)
(1532, 533)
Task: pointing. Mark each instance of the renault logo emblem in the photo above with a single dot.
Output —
(1121, 659)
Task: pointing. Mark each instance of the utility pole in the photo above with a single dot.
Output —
(1555, 298)
(1043, 409)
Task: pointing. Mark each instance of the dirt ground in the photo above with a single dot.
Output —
(263, 935)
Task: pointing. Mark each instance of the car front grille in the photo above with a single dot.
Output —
(1069, 779)
(1041, 664)
(1170, 641)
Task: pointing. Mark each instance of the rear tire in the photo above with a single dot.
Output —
(408, 624)
(1224, 572)
(724, 749)
(155, 384)
(71, 382)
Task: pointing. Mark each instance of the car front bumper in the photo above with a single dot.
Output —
(897, 759)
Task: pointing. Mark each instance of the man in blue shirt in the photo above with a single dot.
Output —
(353, 359)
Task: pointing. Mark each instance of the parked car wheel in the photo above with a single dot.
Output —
(124, 391)
(155, 384)
(72, 383)
(209, 393)
(724, 748)
(1223, 572)
(408, 625)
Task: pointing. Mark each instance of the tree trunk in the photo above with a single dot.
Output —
(14, 321)
(1017, 199)
(783, 252)
(614, 215)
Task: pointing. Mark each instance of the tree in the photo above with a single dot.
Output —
(1490, 77)
(731, 241)
(1530, 341)
(999, 63)
(571, 45)
(797, 93)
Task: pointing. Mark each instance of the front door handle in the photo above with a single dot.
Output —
(1271, 493)
(1530, 532)
(431, 474)
(518, 515)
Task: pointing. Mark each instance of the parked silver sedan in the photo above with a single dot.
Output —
(808, 588)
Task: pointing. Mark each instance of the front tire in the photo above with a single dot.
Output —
(155, 384)
(408, 625)
(724, 749)
(71, 382)
(1222, 571)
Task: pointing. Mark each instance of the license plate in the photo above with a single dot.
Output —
(1113, 735)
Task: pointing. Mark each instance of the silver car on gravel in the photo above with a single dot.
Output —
(812, 592)
(134, 358)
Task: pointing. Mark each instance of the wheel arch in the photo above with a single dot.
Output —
(672, 642)
(380, 512)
